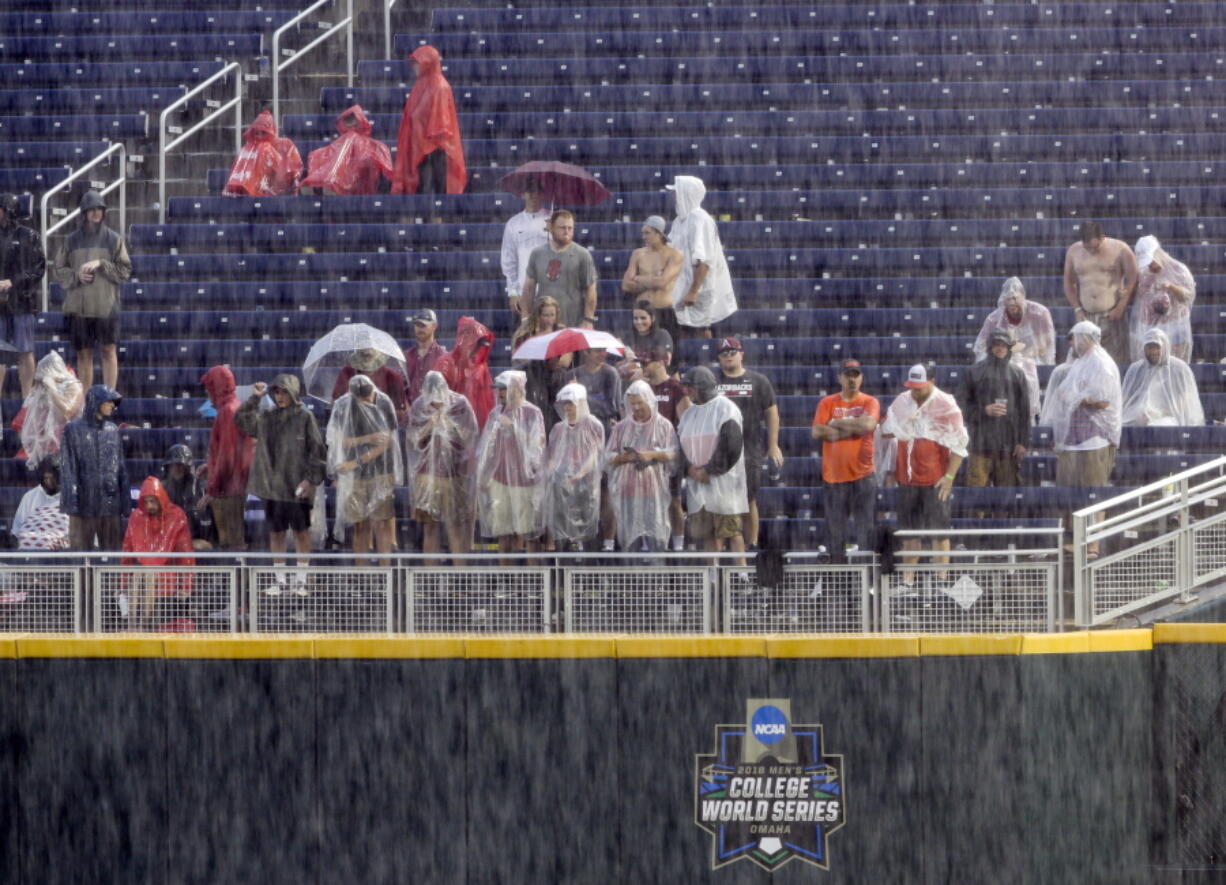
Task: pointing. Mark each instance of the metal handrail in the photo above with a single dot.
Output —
(164, 149)
(295, 54)
(387, 28)
(120, 182)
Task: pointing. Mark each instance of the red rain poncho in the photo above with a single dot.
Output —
(354, 162)
(466, 368)
(429, 123)
(266, 166)
(230, 450)
(168, 532)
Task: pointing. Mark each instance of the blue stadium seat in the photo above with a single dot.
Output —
(108, 48)
(32, 179)
(19, 153)
(108, 73)
(135, 22)
(114, 100)
(116, 127)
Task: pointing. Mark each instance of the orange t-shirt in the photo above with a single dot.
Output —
(848, 459)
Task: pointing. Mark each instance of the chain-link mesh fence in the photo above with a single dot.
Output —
(34, 599)
(966, 597)
(1141, 573)
(478, 600)
(637, 600)
(809, 599)
(162, 599)
(321, 600)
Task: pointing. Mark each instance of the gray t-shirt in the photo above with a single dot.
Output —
(563, 276)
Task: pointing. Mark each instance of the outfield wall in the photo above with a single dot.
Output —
(571, 760)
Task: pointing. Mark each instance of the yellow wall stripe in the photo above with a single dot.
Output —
(239, 647)
(541, 647)
(900, 645)
(389, 647)
(691, 647)
(1181, 633)
(937, 645)
(65, 646)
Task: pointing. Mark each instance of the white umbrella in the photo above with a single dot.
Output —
(554, 344)
(364, 347)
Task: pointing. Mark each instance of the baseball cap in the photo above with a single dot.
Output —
(917, 376)
(654, 354)
(1001, 335)
(655, 222)
(729, 344)
(1146, 248)
(425, 315)
(850, 366)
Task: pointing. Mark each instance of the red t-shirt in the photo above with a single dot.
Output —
(926, 468)
(847, 460)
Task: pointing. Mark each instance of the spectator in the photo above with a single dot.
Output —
(573, 470)
(441, 442)
(647, 334)
(545, 377)
(510, 468)
(639, 458)
(845, 422)
(95, 492)
(565, 271)
(364, 456)
(671, 402)
(754, 395)
(56, 398)
(354, 162)
(229, 464)
(429, 153)
(603, 385)
(90, 266)
(466, 368)
(1100, 277)
(712, 463)
(156, 526)
(1165, 293)
(185, 490)
(388, 379)
(650, 277)
(1159, 389)
(702, 295)
(995, 403)
(289, 464)
(931, 445)
(39, 523)
(425, 352)
(22, 265)
(266, 166)
(523, 233)
(1054, 380)
(1033, 333)
(1085, 415)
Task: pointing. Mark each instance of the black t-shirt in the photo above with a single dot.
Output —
(753, 394)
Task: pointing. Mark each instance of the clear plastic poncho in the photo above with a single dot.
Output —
(937, 419)
(441, 446)
(1162, 394)
(639, 492)
(573, 466)
(1034, 332)
(363, 452)
(1054, 380)
(694, 232)
(1154, 307)
(56, 398)
(511, 464)
(1093, 376)
(698, 435)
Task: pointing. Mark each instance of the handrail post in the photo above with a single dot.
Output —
(164, 149)
(349, 46)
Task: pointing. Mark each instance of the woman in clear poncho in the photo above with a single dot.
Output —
(56, 398)
(1159, 389)
(1030, 325)
(1165, 294)
(573, 466)
(1092, 377)
(441, 442)
(364, 456)
(511, 467)
(640, 458)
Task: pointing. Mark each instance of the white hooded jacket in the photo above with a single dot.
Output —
(693, 232)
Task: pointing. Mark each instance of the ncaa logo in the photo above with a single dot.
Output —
(769, 724)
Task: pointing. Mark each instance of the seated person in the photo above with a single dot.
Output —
(354, 162)
(1160, 389)
(266, 166)
(187, 491)
(156, 526)
(39, 524)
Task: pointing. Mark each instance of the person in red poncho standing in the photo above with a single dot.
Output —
(429, 152)
(266, 166)
(156, 526)
(466, 369)
(353, 162)
(230, 454)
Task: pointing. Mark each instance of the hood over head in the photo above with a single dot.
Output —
(263, 128)
(428, 61)
(689, 192)
(434, 388)
(702, 380)
(91, 200)
(11, 206)
(576, 393)
(99, 394)
(1157, 336)
(218, 383)
(1012, 287)
(643, 389)
(290, 384)
(152, 488)
(1086, 331)
(469, 334)
(360, 123)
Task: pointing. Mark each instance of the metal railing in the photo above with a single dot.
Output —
(292, 56)
(102, 187)
(1148, 545)
(236, 103)
(387, 27)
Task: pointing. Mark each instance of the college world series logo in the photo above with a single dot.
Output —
(769, 793)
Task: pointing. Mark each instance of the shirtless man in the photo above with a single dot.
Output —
(652, 273)
(1100, 277)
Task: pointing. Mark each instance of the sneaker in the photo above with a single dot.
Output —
(277, 587)
(299, 588)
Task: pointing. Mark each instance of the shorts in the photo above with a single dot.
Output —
(753, 477)
(434, 498)
(363, 502)
(999, 469)
(920, 507)
(292, 515)
(705, 524)
(666, 319)
(512, 511)
(1091, 468)
(19, 331)
(86, 332)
